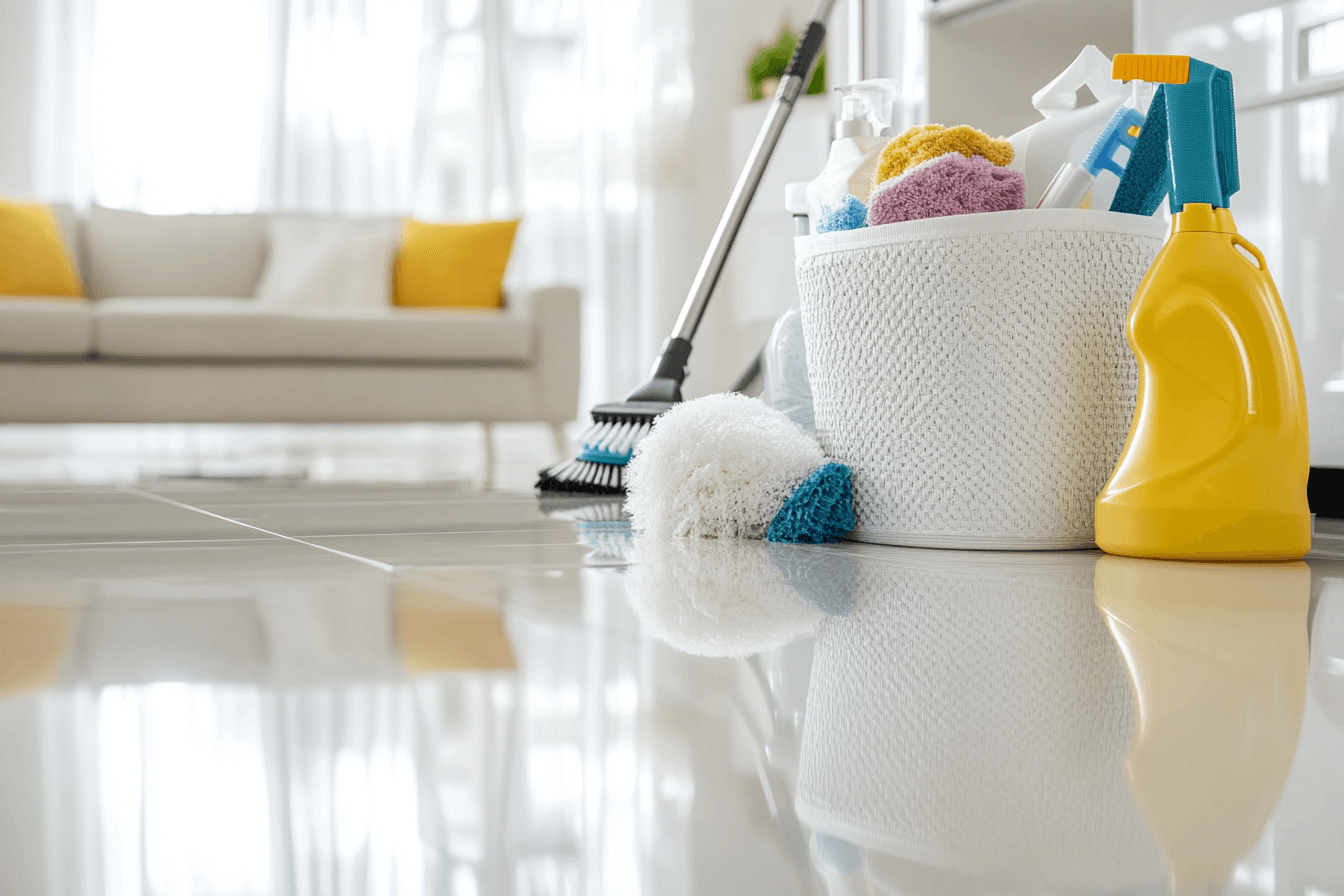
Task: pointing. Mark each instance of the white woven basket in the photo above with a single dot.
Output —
(973, 371)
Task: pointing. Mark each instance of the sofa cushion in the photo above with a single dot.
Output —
(134, 254)
(45, 326)
(336, 262)
(34, 258)
(189, 328)
(452, 265)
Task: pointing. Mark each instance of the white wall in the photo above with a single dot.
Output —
(725, 37)
(985, 65)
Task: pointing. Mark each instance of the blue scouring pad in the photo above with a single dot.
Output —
(819, 511)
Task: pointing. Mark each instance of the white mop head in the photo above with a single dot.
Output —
(721, 466)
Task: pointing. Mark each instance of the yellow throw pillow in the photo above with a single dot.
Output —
(452, 265)
(33, 260)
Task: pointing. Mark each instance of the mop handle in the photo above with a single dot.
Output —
(790, 86)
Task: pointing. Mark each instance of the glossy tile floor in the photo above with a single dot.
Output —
(287, 683)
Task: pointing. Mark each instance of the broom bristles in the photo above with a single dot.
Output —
(605, 448)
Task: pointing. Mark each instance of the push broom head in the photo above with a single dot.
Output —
(605, 448)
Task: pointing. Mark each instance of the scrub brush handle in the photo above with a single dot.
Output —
(790, 86)
(671, 363)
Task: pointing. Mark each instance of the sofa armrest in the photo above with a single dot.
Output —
(555, 316)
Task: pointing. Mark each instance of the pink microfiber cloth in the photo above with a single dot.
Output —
(951, 184)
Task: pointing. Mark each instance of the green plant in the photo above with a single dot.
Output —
(770, 62)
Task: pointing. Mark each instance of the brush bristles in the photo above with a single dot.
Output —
(615, 435)
(583, 476)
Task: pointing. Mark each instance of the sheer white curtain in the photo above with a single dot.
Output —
(570, 113)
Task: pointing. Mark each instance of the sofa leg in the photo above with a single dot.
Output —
(561, 441)
(489, 455)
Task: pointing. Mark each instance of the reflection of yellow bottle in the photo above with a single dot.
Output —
(1217, 656)
(1216, 463)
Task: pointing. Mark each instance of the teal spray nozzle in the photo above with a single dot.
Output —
(1187, 149)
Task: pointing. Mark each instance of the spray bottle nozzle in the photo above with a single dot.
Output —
(1199, 129)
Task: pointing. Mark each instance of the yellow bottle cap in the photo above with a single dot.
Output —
(1157, 69)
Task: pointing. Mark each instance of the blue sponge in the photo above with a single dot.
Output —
(851, 215)
(820, 510)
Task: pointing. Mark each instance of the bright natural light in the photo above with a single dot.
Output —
(182, 91)
(165, 750)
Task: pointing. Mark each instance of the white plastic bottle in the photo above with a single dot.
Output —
(1067, 132)
(784, 383)
(862, 131)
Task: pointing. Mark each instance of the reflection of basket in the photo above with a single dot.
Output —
(973, 371)
(972, 714)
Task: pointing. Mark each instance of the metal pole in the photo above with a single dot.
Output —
(790, 86)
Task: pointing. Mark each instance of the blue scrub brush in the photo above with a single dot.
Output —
(1123, 129)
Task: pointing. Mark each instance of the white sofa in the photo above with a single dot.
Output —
(172, 335)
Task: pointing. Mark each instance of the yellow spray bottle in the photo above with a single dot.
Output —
(1215, 467)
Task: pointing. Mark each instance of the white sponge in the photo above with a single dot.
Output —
(721, 466)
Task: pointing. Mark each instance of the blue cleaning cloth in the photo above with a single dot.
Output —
(851, 215)
(841, 855)
(1202, 138)
(819, 511)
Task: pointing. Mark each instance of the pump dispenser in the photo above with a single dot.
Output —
(1215, 467)
(862, 131)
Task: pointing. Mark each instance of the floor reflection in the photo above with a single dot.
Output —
(966, 724)
(1217, 654)
(483, 695)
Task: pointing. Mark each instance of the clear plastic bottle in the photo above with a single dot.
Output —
(784, 384)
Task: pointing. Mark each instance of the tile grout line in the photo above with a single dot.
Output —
(129, 489)
(10, 547)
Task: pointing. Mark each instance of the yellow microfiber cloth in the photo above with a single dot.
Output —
(929, 141)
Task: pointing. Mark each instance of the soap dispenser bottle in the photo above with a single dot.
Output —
(1216, 463)
(860, 135)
